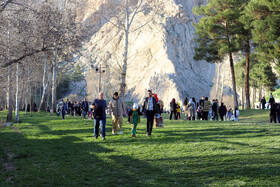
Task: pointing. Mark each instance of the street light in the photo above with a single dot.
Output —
(100, 69)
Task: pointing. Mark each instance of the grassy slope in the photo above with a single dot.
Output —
(45, 151)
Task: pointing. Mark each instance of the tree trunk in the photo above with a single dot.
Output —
(218, 80)
(233, 80)
(54, 64)
(9, 96)
(254, 97)
(232, 69)
(242, 98)
(222, 89)
(17, 93)
(43, 102)
(260, 92)
(31, 97)
(124, 69)
(247, 75)
(26, 90)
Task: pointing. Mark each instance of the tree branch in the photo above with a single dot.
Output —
(4, 5)
(17, 60)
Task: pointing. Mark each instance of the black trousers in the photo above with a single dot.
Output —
(150, 121)
(205, 115)
(273, 118)
(175, 115)
(222, 117)
(215, 116)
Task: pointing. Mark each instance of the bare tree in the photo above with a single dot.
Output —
(123, 15)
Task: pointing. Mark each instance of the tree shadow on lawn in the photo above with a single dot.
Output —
(68, 161)
(224, 168)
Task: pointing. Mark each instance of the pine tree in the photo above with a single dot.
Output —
(262, 73)
(217, 33)
(245, 41)
(266, 28)
(77, 75)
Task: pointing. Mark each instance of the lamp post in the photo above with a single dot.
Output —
(100, 69)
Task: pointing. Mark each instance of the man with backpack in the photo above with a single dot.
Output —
(99, 105)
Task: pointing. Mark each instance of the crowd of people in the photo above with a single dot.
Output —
(274, 109)
(152, 109)
(203, 110)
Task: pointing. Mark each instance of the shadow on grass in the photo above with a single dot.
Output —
(68, 161)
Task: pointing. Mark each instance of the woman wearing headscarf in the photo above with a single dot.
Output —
(173, 109)
(186, 102)
(191, 110)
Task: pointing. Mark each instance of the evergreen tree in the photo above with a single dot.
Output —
(217, 33)
(77, 75)
(266, 28)
(245, 40)
(263, 74)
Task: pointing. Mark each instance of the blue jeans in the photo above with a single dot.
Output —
(100, 122)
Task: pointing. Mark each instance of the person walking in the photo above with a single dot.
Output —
(271, 100)
(185, 103)
(263, 102)
(273, 113)
(117, 109)
(150, 108)
(84, 108)
(191, 110)
(236, 113)
(222, 111)
(173, 109)
(206, 108)
(215, 110)
(134, 119)
(63, 110)
(278, 112)
(178, 110)
(89, 110)
(228, 115)
(99, 105)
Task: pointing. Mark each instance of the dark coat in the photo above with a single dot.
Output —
(214, 107)
(263, 101)
(222, 110)
(271, 100)
(146, 105)
(273, 110)
(85, 106)
(173, 106)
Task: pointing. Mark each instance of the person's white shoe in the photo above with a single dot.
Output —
(120, 132)
(113, 133)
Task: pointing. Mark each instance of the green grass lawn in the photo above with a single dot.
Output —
(43, 150)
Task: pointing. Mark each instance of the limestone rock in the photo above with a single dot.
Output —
(161, 53)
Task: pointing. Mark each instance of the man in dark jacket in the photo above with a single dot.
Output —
(150, 107)
(263, 102)
(173, 109)
(84, 108)
(278, 112)
(271, 99)
(273, 113)
(215, 110)
(222, 111)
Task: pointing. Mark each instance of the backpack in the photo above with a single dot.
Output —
(98, 111)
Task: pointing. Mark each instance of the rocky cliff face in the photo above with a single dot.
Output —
(160, 54)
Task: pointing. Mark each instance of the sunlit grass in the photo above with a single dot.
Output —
(43, 150)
